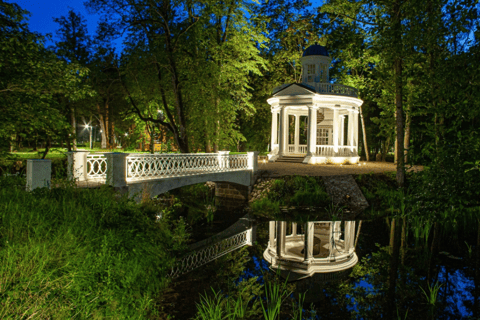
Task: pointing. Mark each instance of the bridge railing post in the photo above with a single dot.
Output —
(224, 159)
(77, 165)
(116, 169)
(39, 173)
(253, 161)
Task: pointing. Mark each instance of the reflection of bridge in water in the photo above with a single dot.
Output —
(159, 173)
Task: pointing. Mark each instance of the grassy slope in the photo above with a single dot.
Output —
(70, 253)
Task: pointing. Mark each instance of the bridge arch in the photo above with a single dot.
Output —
(154, 187)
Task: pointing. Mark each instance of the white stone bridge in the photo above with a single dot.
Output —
(155, 174)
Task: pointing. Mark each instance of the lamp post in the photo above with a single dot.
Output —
(90, 129)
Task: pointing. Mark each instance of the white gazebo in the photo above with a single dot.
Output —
(315, 119)
(315, 247)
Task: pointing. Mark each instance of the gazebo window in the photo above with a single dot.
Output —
(311, 72)
(323, 136)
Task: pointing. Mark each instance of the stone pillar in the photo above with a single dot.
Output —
(252, 161)
(77, 165)
(223, 159)
(274, 130)
(308, 241)
(280, 238)
(297, 133)
(335, 129)
(116, 169)
(39, 174)
(271, 235)
(283, 131)
(312, 131)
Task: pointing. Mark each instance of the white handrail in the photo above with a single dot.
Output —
(166, 165)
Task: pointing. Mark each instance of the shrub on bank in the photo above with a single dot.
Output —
(83, 253)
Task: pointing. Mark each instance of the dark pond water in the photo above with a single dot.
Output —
(362, 291)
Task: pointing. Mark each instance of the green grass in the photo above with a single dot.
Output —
(80, 253)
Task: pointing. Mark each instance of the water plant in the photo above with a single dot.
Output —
(275, 295)
(431, 295)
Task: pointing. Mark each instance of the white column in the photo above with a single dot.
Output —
(116, 169)
(335, 129)
(297, 133)
(280, 238)
(274, 130)
(294, 228)
(351, 130)
(312, 131)
(39, 173)
(283, 131)
(342, 131)
(308, 246)
(352, 236)
(271, 234)
(355, 130)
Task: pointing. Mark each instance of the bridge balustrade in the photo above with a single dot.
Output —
(119, 168)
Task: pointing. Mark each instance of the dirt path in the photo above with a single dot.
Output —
(281, 168)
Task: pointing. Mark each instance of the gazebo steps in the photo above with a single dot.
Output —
(291, 159)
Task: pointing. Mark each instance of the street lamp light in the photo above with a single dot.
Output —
(90, 129)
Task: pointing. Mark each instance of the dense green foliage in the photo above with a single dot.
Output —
(70, 252)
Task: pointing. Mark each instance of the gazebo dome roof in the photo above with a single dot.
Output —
(316, 50)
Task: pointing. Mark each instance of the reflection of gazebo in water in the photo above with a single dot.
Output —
(315, 120)
(319, 247)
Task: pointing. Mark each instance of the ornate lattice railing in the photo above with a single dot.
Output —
(203, 256)
(96, 166)
(336, 89)
(141, 166)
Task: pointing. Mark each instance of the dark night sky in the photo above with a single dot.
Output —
(43, 12)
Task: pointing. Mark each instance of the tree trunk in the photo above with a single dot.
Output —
(217, 127)
(107, 127)
(393, 271)
(399, 113)
(69, 146)
(403, 242)
(395, 151)
(392, 235)
(112, 135)
(103, 133)
(152, 138)
(365, 145)
(386, 147)
(208, 142)
(74, 128)
(406, 143)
